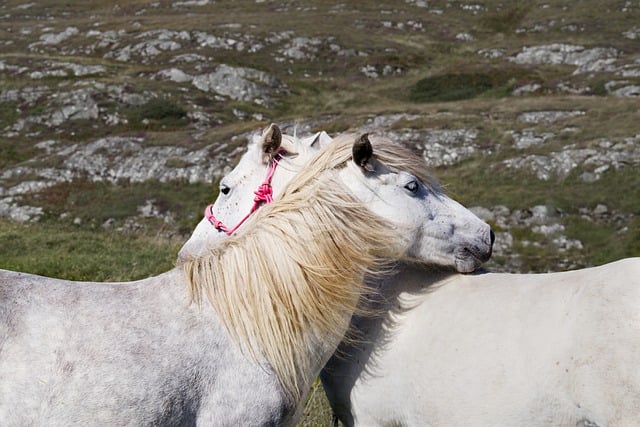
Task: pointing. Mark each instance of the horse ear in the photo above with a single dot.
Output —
(289, 145)
(271, 140)
(321, 139)
(316, 140)
(362, 152)
(324, 139)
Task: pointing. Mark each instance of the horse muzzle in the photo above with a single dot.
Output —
(470, 257)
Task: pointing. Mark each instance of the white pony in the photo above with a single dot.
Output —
(282, 292)
(488, 349)
(271, 161)
(558, 349)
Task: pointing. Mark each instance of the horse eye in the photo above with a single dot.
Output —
(412, 186)
(224, 189)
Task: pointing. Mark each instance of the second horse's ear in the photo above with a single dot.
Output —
(271, 140)
(362, 152)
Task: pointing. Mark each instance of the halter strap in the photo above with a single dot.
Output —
(263, 194)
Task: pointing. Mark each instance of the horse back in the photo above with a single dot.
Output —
(562, 346)
(13, 300)
(601, 363)
(131, 353)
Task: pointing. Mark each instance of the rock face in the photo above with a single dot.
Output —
(586, 60)
(236, 83)
(241, 84)
(49, 39)
(114, 159)
(547, 117)
(10, 209)
(594, 161)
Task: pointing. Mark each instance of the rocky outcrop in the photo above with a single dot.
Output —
(585, 59)
(242, 84)
(114, 159)
(594, 161)
(237, 83)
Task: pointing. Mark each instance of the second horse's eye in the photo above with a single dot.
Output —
(224, 189)
(412, 186)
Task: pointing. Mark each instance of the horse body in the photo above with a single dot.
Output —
(132, 353)
(496, 349)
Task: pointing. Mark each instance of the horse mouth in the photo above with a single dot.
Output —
(471, 257)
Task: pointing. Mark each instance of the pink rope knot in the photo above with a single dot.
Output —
(264, 193)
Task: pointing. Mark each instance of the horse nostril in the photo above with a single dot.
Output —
(492, 236)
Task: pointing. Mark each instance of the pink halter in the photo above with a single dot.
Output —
(264, 194)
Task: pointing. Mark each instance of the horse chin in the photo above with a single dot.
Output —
(467, 264)
(467, 261)
(469, 258)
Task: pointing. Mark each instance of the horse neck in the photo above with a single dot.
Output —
(395, 293)
(400, 291)
(411, 279)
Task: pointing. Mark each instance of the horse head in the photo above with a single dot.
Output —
(436, 229)
(271, 156)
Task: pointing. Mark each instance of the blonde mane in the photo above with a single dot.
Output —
(292, 277)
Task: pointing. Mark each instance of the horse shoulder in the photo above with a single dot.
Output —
(28, 332)
(73, 350)
(239, 392)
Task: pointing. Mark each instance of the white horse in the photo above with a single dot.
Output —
(558, 349)
(488, 349)
(254, 182)
(282, 291)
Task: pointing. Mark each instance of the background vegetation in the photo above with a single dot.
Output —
(444, 64)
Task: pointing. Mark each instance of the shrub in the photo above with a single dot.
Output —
(451, 87)
(160, 111)
(505, 21)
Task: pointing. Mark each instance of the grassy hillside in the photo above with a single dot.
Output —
(116, 121)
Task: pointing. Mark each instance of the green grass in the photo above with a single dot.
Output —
(605, 242)
(461, 82)
(96, 202)
(451, 87)
(505, 20)
(317, 411)
(13, 152)
(68, 252)
(8, 113)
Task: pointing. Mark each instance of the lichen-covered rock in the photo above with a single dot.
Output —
(549, 116)
(585, 59)
(11, 209)
(240, 83)
(596, 160)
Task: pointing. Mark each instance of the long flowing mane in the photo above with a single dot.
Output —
(292, 277)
